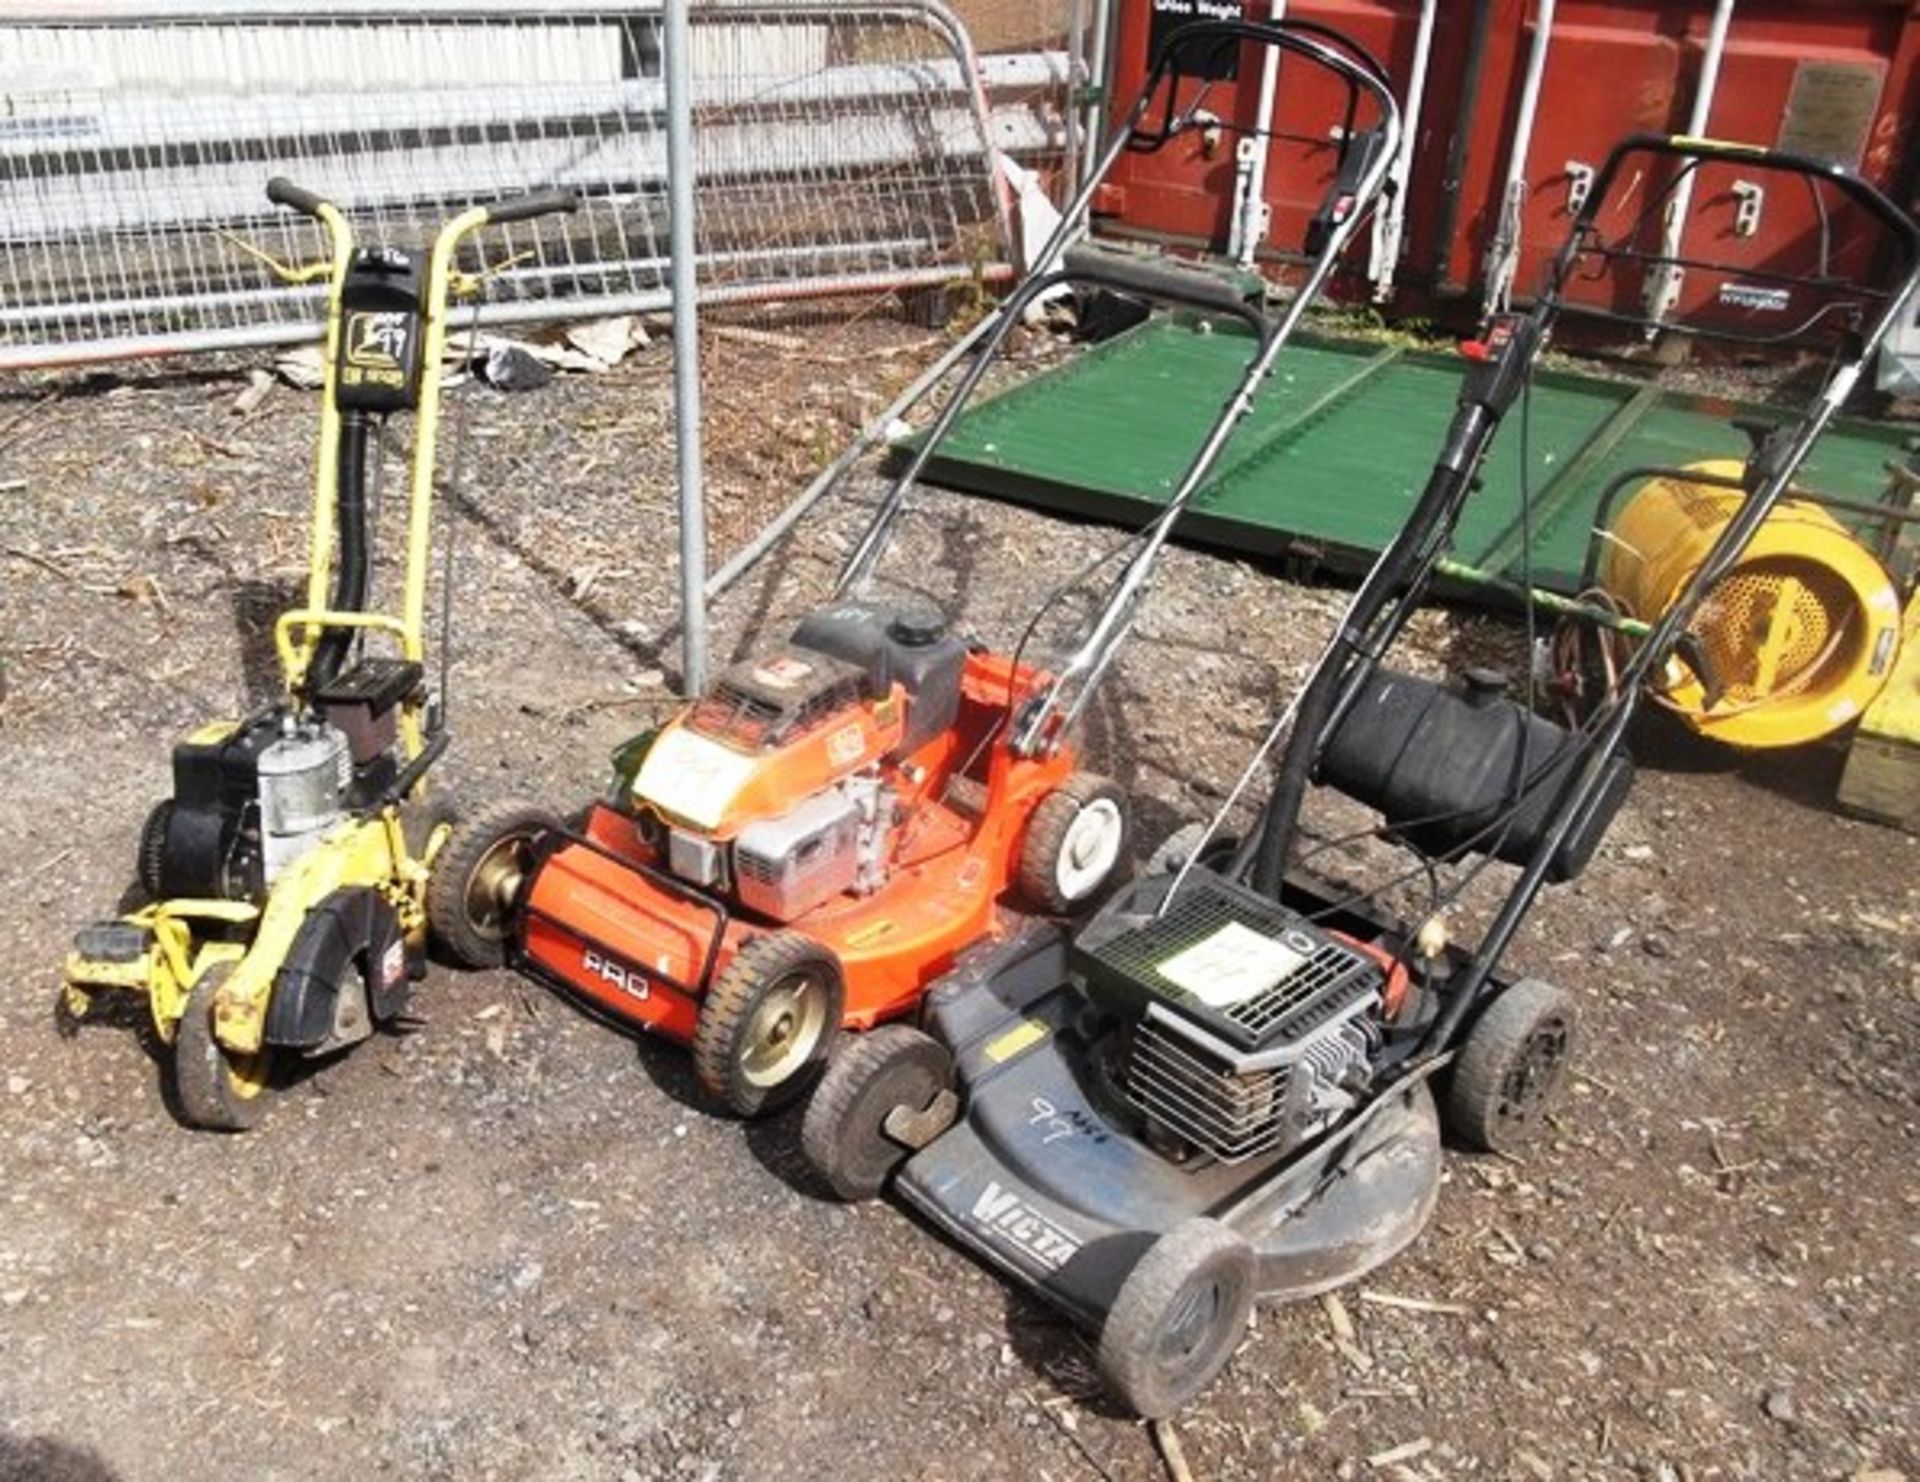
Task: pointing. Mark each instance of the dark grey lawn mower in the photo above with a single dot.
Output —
(1233, 1084)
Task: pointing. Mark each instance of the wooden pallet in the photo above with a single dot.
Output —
(1882, 777)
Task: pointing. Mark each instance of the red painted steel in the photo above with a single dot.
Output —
(1612, 68)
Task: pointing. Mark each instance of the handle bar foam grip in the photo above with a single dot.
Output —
(540, 203)
(283, 192)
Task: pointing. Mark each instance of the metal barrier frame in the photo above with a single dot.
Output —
(557, 286)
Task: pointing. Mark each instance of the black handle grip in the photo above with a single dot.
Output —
(540, 203)
(1757, 429)
(283, 192)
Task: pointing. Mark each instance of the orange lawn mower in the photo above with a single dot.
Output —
(807, 846)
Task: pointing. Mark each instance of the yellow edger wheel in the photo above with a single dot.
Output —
(217, 1089)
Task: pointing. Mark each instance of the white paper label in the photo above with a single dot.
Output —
(692, 777)
(1231, 966)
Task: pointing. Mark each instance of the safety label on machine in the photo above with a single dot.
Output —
(693, 777)
(1231, 965)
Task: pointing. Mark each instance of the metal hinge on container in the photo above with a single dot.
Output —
(1579, 185)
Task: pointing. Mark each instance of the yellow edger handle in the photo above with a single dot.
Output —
(296, 653)
(489, 213)
(283, 192)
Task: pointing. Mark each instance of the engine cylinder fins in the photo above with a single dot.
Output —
(1249, 1028)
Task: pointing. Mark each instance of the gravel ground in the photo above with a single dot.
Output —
(513, 1245)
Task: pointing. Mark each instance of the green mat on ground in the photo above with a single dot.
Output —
(1339, 443)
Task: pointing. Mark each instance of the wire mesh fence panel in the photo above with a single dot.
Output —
(837, 147)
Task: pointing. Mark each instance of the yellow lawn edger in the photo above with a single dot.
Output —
(287, 876)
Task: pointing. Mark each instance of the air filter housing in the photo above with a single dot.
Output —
(1801, 633)
(1250, 1029)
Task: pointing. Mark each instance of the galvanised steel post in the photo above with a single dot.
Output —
(677, 62)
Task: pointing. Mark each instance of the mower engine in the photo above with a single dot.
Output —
(304, 777)
(787, 865)
(1248, 1030)
(251, 799)
(248, 800)
(858, 685)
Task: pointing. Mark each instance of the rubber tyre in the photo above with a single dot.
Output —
(1173, 851)
(215, 1089)
(1179, 1316)
(843, 1134)
(1513, 1058)
(151, 862)
(746, 1049)
(469, 915)
(1049, 878)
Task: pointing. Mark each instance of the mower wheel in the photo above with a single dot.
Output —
(767, 1025)
(844, 1133)
(153, 848)
(1178, 847)
(1076, 840)
(217, 1089)
(1173, 852)
(1179, 1316)
(1509, 1066)
(477, 880)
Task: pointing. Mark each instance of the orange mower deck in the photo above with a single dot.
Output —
(603, 917)
(606, 923)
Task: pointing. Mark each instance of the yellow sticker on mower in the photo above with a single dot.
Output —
(1023, 1036)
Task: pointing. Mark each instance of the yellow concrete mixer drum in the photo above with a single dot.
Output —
(1801, 632)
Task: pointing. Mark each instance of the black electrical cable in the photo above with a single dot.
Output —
(455, 480)
(350, 570)
(376, 484)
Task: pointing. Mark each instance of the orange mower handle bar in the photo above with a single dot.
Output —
(1204, 41)
(1361, 75)
(1055, 712)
